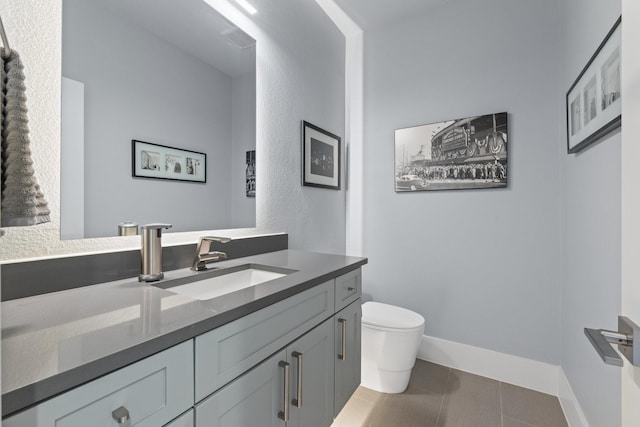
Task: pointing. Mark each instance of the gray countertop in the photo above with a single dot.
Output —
(57, 341)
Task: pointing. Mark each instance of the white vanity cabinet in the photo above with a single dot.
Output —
(149, 393)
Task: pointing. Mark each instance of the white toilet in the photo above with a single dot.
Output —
(390, 339)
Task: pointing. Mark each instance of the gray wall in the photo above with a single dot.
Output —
(138, 86)
(482, 266)
(301, 72)
(590, 228)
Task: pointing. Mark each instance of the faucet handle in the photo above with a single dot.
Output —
(204, 254)
(216, 239)
(204, 245)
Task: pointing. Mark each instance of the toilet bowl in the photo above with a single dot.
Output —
(390, 339)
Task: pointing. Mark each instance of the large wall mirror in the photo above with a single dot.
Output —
(169, 72)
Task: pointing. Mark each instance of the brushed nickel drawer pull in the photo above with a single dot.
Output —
(297, 402)
(284, 414)
(343, 355)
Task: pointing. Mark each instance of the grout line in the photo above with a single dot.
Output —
(501, 408)
(446, 384)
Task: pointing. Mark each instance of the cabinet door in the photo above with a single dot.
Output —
(312, 377)
(253, 400)
(347, 353)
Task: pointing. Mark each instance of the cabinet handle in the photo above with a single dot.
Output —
(297, 402)
(343, 355)
(121, 415)
(351, 289)
(284, 414)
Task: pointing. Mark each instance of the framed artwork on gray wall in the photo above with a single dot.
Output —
(320, 157)
(250, 173)
(457, 154)
(162, 162)
(594, 105)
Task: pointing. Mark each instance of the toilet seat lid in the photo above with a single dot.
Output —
(390, 316)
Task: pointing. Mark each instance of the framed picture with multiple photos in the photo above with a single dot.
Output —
(320, 157)
(162, 162)
(594, 105)
(466, 153)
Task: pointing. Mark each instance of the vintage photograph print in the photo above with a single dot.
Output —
(157, 161)
(452, 155)
(250, 173)
(594, 103)
(320, 157)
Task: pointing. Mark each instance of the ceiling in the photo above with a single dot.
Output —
(195, 27)
(375, 13)
(191, 25)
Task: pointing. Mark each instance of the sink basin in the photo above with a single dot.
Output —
(206, 286)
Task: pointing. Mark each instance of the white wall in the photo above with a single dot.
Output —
(590, 227)
(300, 75)
(482, 266)
(138, 86)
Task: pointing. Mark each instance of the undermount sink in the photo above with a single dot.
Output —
(212, 284)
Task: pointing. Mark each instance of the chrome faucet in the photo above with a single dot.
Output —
(204, 254)
(151, 252)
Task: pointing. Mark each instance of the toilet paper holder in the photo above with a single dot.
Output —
(602, 341)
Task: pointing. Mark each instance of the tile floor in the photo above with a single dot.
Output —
(439, 396)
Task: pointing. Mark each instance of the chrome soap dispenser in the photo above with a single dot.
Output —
(151, 252)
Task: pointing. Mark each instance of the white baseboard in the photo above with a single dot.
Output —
(503, 367)
(572, 410)
(531, 374)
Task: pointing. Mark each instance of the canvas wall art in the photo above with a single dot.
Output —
(457, 154)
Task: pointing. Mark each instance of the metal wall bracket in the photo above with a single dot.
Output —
(601, 339)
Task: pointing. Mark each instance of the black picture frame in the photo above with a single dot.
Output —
(593, 102)
(155, 161)
(321, 157)
(250, 173)
(461, 154)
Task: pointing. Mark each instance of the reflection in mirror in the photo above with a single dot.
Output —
(169, 72)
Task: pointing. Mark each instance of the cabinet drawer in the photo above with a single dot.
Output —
(348, 288)
(154, 391)
(226, 352)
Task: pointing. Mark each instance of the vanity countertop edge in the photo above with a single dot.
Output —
(54, 342)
